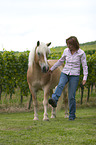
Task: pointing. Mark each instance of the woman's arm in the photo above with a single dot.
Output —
(85, 68)
(58, 63)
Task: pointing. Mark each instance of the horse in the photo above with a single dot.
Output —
(38, 78)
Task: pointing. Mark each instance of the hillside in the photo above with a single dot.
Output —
(85, 46)
(88, 43)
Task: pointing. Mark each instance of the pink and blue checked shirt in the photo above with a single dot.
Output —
(72, 65)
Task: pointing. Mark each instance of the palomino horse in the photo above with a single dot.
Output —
(39, 78)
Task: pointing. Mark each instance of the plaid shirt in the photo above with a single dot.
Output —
(72, 65)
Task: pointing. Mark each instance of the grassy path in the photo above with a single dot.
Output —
(20, 129)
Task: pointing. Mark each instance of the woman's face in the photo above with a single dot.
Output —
(71, 47)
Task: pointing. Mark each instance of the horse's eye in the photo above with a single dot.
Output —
(38, 53)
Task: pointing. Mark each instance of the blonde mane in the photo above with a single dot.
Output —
(31, 57)
(42, 48)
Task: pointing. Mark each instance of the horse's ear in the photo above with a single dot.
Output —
(38, 43)
(48, 44)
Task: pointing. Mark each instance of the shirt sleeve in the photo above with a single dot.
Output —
(58, 63)
(84, 65)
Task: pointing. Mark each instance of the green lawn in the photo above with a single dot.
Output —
(20, 129)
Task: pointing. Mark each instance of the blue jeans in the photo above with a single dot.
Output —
(73, 83)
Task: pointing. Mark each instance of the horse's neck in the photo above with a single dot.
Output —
(36, 68)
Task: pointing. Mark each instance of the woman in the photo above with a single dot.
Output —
(72, 56)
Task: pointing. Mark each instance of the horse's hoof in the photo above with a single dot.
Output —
(45, 119)
(35, 119)
(53, 116)
(66, 116)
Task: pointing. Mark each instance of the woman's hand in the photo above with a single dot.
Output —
(83, 82)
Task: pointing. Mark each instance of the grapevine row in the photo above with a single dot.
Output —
(13, 72)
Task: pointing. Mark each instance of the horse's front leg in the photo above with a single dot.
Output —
(45, 103)
(35, 104)
(35, 108)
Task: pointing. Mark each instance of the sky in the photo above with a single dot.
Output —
(24, 22)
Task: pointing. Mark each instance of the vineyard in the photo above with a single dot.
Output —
(13, 70)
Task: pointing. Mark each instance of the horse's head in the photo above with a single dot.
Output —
(41, 54)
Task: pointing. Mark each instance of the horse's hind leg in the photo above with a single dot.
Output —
(53, 113)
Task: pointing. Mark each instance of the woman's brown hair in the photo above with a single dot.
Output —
(73, 41)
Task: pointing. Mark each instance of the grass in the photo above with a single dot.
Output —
(20, 129)
(17, 126)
